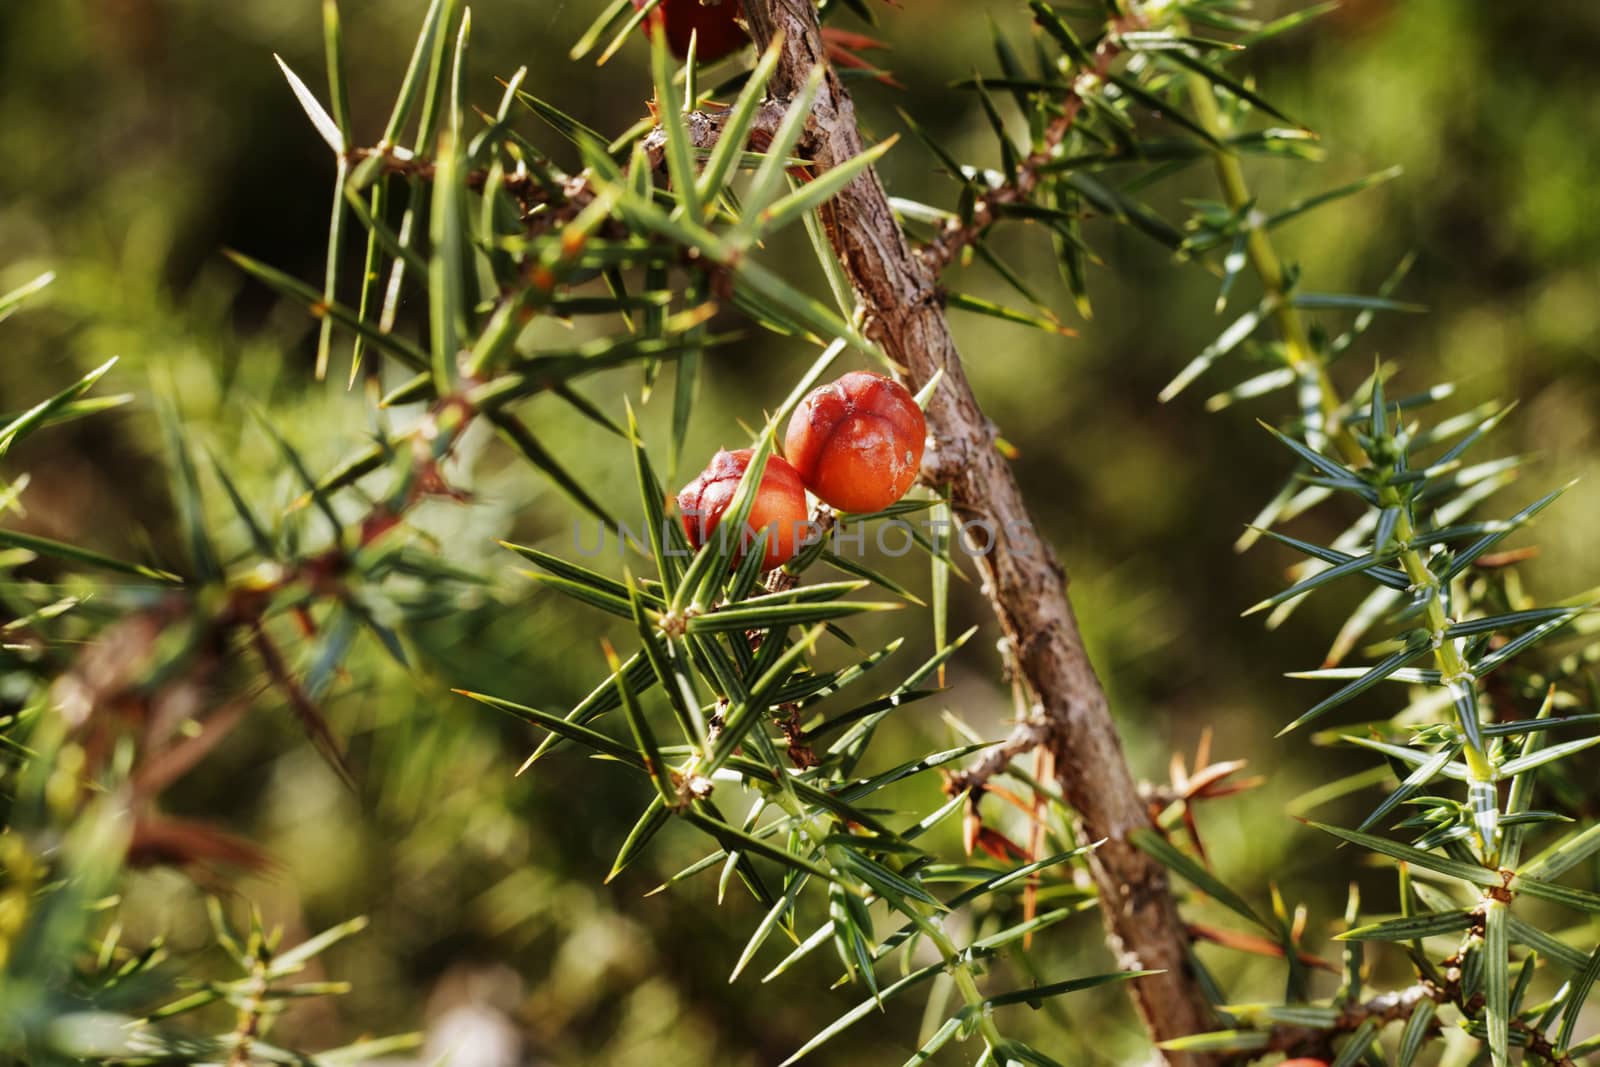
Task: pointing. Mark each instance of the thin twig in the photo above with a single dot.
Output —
(1024, 737)
(943, 249)
(1381, 1010)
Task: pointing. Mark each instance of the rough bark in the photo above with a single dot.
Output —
(1025, 584)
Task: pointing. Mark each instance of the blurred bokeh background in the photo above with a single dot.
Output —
(138, 138)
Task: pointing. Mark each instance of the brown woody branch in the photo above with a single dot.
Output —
(899, 297)
(529, 191)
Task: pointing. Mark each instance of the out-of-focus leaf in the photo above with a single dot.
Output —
(404, 351)
(73, 554)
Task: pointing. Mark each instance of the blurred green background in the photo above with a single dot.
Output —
(141, 137)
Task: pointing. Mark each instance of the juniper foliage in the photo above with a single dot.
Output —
(119, 677)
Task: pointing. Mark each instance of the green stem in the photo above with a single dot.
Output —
(1302, 357)
(1297, 346)
(961, 971)
(1445, 650)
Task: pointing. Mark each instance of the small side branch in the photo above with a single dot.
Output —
(1024, 738)
(1380, 1010)
(1391, 1007)
(943, 249)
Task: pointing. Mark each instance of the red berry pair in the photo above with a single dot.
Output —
(856, 443)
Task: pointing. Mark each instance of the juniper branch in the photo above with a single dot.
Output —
(899, 301)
